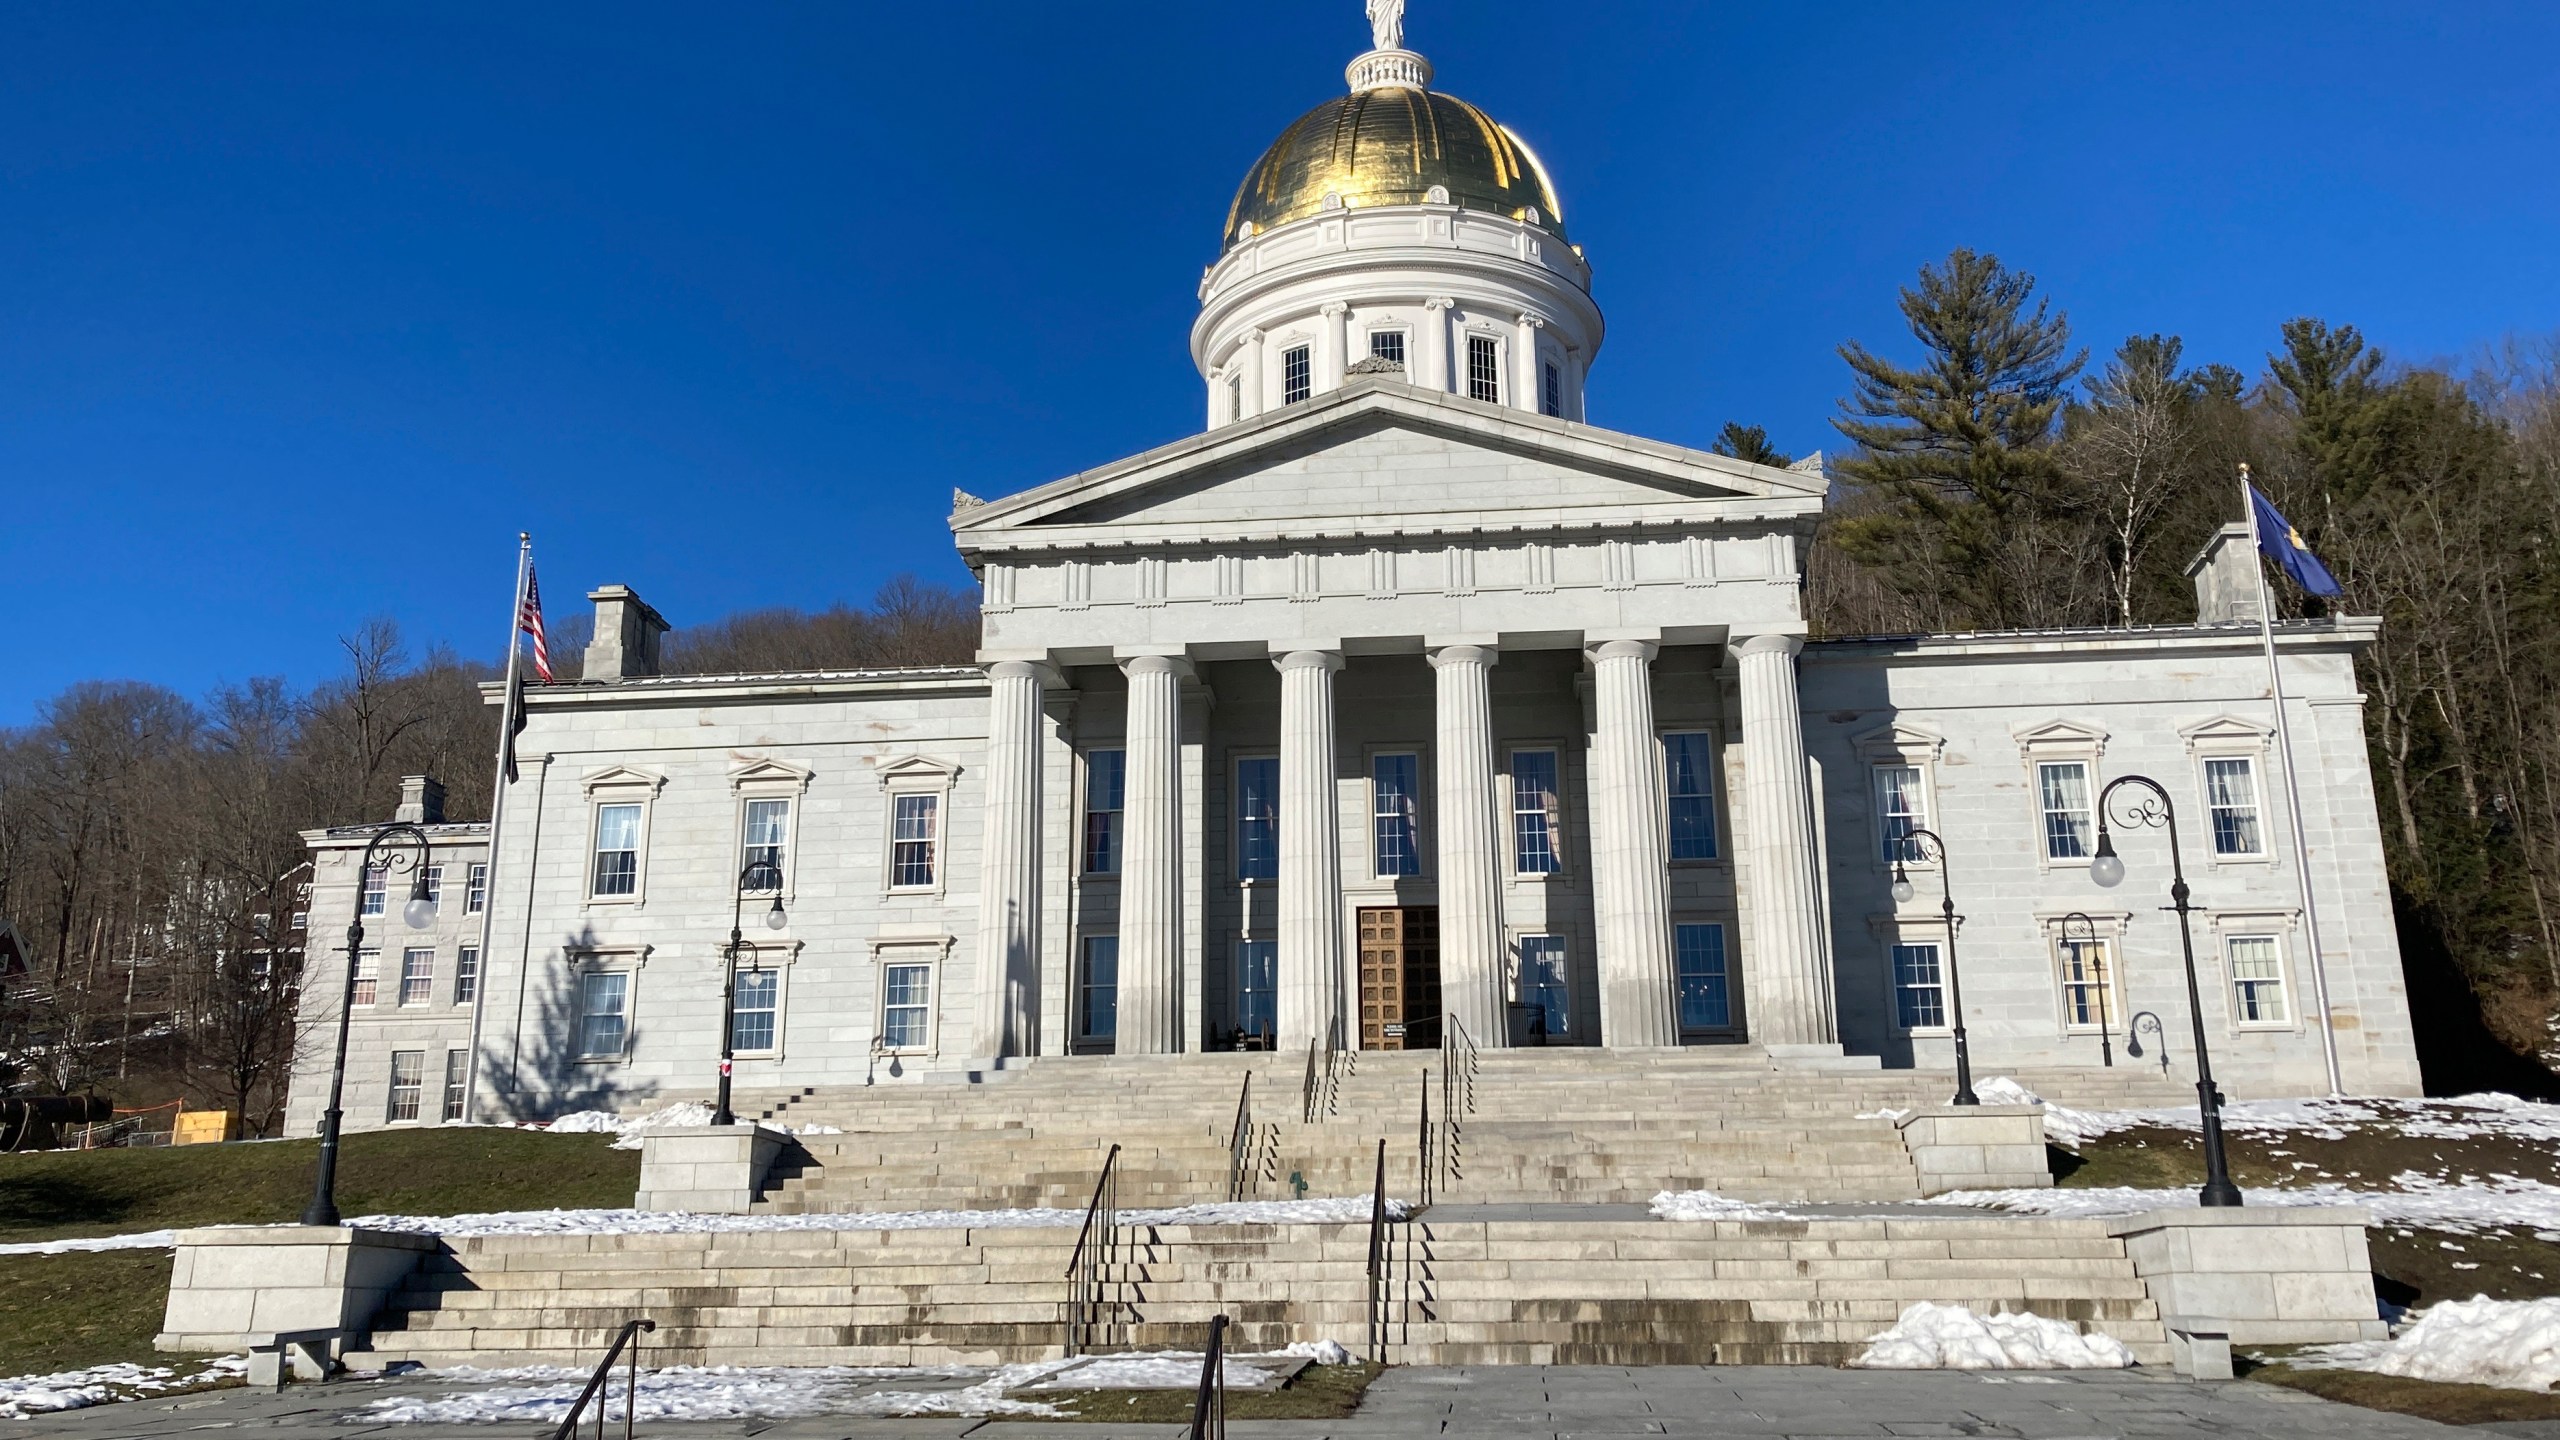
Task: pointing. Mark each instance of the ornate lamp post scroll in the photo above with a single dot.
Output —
(1902, 892)
(2106, 869)
(2081, 949)
(759, 875)
(417, 914)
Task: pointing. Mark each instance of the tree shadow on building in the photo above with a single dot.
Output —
(546, 1069)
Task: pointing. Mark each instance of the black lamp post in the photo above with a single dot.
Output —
(2106, 869)
(2080, 949)
(1902, 892)
(417, 914)
(759, 875)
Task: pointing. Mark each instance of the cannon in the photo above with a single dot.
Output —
(27, 1122)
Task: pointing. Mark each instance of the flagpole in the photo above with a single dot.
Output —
(497, 816)
(2292, 791)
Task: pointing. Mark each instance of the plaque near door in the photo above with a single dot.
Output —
(1400, 978)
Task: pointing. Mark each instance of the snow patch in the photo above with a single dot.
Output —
(2466, 1208)
(1708, 1205)
(2512, 1344)
(139, 1240)
(25, 1395)
(1950, 1337)
(1323, 1352)
(2462, 1117)
(725, 1392)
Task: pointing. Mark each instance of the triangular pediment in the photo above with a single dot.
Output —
(1380, 456)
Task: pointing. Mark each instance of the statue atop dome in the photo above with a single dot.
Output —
(1386, 24)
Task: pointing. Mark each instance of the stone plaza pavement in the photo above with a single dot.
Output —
(1514, 1403)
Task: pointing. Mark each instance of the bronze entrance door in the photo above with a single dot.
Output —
(1400, 978)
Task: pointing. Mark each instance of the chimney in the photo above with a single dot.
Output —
(2226, 576)
(421, 800)
(625, 646)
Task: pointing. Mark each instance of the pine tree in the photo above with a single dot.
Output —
(1749, 442)
(1959, 449)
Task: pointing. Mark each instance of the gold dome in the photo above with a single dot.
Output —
(1390, 146)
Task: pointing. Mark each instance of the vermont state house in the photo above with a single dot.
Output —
(1400, 697)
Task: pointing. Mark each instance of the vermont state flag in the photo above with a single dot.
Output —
(2283, 544)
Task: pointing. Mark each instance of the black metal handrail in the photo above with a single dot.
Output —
(1378, 1261)
(1209, 1407)
(1307, 1090)
(604, 1371)
(1240, 1141)
(1425, 1154)
(1088, 1269)
(1459, 1063)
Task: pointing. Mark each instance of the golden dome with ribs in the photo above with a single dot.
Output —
(1392, 146)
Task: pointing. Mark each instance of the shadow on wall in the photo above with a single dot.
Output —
(1861, 956)
(560, 1062)
(2457, 1054)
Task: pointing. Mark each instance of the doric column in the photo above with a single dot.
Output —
(1435, 359)
(1336, 350)
(1310, 959)
(1470, 843)
(1630, 850)
(1790, 997)
(1527, 391)
(1150, 1021)
(1009, 873)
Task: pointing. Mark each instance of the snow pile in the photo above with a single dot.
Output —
(1708, 1205)
(2463, 1117)
(2512, 1344)
(2063, 1125)
(1323, 1352)
(1950, 1337)
(723, 1392)
(683, 1115)
(25, 1395)
(2465, 1207)
(139, 1240)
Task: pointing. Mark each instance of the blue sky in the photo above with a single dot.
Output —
(305, 310)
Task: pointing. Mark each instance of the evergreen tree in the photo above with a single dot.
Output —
(1749, 442)
(1959, 449)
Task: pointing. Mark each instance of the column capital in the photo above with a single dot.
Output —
(1174, 665)
(1439, 302)
(1531, 320)
(1464, 653)
(1332, 308)
(1041, 670)
(1772, 643)
(1310, 659)
(1643, 650)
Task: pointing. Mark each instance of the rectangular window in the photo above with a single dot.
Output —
(1106, 776)
(361, 990)
(435, 886)
(2231, 794)
(1898, 811)
(475, 890)
(768, 825)
(1258, 988)
(1698, 955)
(1484, 369)
(604, 1014)
(1534, 813)
(1258, 819)
(408, 1078)
(617, 850)
(1919, 987)
(1098, 988)
(2088, 985)
(2257, 980)
(1542, 987)
(417, 976)
(918, 821)
(758, 1000)
(377, 882)
(1394, 785)
(1235, 398)
(1297, 379)
(906, 1006)
(2062, 793)
(301, 919)
(466, 975)
(457, 1079)
(1387, 345)
(1551, 392)
(1688, 773)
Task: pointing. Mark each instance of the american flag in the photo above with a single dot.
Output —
(529, 619)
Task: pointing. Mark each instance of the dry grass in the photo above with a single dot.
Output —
(2428, 1399)
(1321, 1392)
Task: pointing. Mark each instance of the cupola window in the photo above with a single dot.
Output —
(1484, 369)
(1551, 395)
(1387, 345)
(1297, 379)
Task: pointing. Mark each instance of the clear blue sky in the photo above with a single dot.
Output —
(306, 309)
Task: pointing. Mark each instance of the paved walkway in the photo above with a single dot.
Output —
(1517, 1403)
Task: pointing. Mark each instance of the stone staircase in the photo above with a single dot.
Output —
(1538, 1291)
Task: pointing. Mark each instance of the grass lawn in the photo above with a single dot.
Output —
(445, 1170)
(1321, 1392)
(61, 1312)
(2427, 1399)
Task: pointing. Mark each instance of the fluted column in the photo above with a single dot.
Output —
(1009, 872)
(1790, 998)
(1435, 350)
(1310, 958)
(1631, 851)
(1469, 842)
(1150, 1021)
